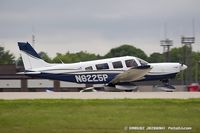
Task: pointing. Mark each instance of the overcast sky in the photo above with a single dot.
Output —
(97, 26)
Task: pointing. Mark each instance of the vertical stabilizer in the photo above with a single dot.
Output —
(30, 57)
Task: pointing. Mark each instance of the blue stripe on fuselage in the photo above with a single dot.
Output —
(92, 78)
(159, 77)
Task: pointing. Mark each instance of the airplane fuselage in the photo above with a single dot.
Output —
(104, 70)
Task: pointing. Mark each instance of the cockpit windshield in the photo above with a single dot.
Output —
(142, 62)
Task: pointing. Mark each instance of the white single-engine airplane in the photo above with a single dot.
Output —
(119, 73)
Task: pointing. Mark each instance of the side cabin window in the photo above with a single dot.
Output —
(117, 64)
(89, 68)
(131, 63)
(102, 66)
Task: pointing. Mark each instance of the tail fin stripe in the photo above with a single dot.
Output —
(35, 57)
(28, 49)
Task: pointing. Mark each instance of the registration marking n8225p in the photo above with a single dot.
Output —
(91, 78)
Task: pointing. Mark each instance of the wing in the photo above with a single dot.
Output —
(132, 74)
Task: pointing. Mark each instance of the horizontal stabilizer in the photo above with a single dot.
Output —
(29, 73)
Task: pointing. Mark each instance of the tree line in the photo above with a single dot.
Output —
(176, 55)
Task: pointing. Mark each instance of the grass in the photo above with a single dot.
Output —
(97, 116)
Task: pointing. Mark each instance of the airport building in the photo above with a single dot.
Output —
(11, 81)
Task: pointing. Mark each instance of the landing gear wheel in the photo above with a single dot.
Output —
(128, 90)
(165, 86)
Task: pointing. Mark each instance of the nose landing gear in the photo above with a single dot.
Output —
(165, 86)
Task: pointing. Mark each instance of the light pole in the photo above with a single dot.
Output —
(166, 44)
(188, 41)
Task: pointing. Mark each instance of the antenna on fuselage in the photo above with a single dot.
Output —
(60, 60)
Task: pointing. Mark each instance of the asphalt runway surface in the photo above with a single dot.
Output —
(98, 95)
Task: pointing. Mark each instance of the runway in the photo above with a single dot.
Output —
(98, 95)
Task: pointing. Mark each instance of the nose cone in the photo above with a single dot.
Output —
(183, 67)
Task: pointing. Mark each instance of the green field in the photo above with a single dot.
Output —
(98, 116)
